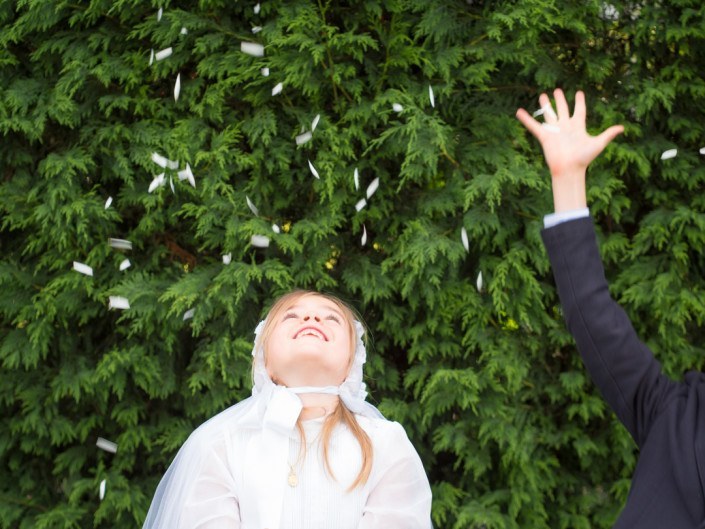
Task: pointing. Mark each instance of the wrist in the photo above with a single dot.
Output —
(569, 191)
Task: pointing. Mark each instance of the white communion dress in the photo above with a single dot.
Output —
(243, 469)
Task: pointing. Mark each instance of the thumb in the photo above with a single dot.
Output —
(609, 134)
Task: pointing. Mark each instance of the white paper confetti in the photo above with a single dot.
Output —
(159, 14)
(479, 282)
(277, 89)
(186, 174)
(670, 153)
(151, 58)
(702, 150)
(314, 124)
(177, 87)
(313, 170)
(252, 207)
(276, 228)
(259, 241)
(108, 202)
(397, 107)
(163, 54)
(189, 314)
(172, 164)
(252, 48)
(256, 29)
(372, 187)
(430, 96)
(184, 31)
(125, 264)
(227, 258)
(101, 490)
(464, 238)
(256, 9)
(120, 244)
(360, 204)
(171, 184)
(265, 72)
(551, 128)
(83, 268)
(118, 302)
(547, 110)
(356, 179)
(363, 241)
(106, 445)
(303, 138)
(158, 181)
(159, 159)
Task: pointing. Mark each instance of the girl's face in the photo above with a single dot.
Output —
(310, 344)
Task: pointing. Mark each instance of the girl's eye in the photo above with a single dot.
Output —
(334, 318)
(290, 315)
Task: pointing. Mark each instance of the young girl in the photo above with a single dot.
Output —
(305, 450)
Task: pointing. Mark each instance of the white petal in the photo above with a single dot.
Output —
(118, 302)
(184, 31)
(551, 128)
(265, 71)
(314, 124)
(538, 113)
(252, 48)
(313, 169)
(159, 14)
(227, 258)
(159, 159)
(277, 89)
(702, 150)
(172, 164)
(189, 314)
(303, 138)
(360, 204)
(479, 282)
(372, 187)
(125, 265)
(276, 228)
(82, 268)
(108, 202)
(151, 58)
(397, 107)
(430, 96)
(363, 241)
(356, 179)
(177, 87)
(158, 181)
(171, 184)
(106, 445)
(101, 490)
(670, 153)
(252, 207)
(163, 54)
(120, 244)
(256, 29)
(256, 9)
(259, 241)
(186, 174)
(464, 238)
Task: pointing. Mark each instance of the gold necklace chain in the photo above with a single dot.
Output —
(292, 479)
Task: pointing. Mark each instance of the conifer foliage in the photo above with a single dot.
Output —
(197, 205)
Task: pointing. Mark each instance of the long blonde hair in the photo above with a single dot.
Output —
(341, 415)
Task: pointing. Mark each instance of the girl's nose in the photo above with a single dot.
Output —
(308, 317)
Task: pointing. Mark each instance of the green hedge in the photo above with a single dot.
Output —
(486, 382)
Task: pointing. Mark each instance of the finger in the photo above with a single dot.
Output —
(548, 113)
(561, 104)
(579, 111)
(530, 123)
(608, 135)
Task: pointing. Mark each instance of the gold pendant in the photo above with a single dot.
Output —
(292, 480)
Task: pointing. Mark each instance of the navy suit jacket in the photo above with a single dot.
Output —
(665, 418)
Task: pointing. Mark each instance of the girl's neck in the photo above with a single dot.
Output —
(317, 405)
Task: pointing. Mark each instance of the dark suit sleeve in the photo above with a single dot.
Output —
(624, 369)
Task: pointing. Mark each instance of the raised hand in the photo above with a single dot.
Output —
(567, 146)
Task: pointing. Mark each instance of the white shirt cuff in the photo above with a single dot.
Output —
(549, 221)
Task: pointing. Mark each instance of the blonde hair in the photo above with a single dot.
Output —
(341, 415)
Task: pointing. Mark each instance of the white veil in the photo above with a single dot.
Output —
(272, 411)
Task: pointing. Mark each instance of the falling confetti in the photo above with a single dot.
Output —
(277, 89)
(151, 58)
(430, 96)
(372, 187)
(479, 282)
(189, 314)
(551, 128)
(464, 238)
(186, 174)
(314, 124)
(702, 150)
(360, 204)
(171, 184)
(397, 107)
(356, 179)
(177, 87)
(256, 29)
(83, 268)
(120, 244)
(118, 302)
(363, 241)
(313, 170)
(158, 181)
(670, 153)
(159, 14)
(172, 164)
(125, 264)
(108, 202)
(303, 138)
(265, 72)
(227, 258)
(101, 491)
(160, 160)
(252, 207)
(259, 241)
(184, 31)
(276, 228)
(106, 445)
(256, 9)
(252, 48)
(163, 54)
